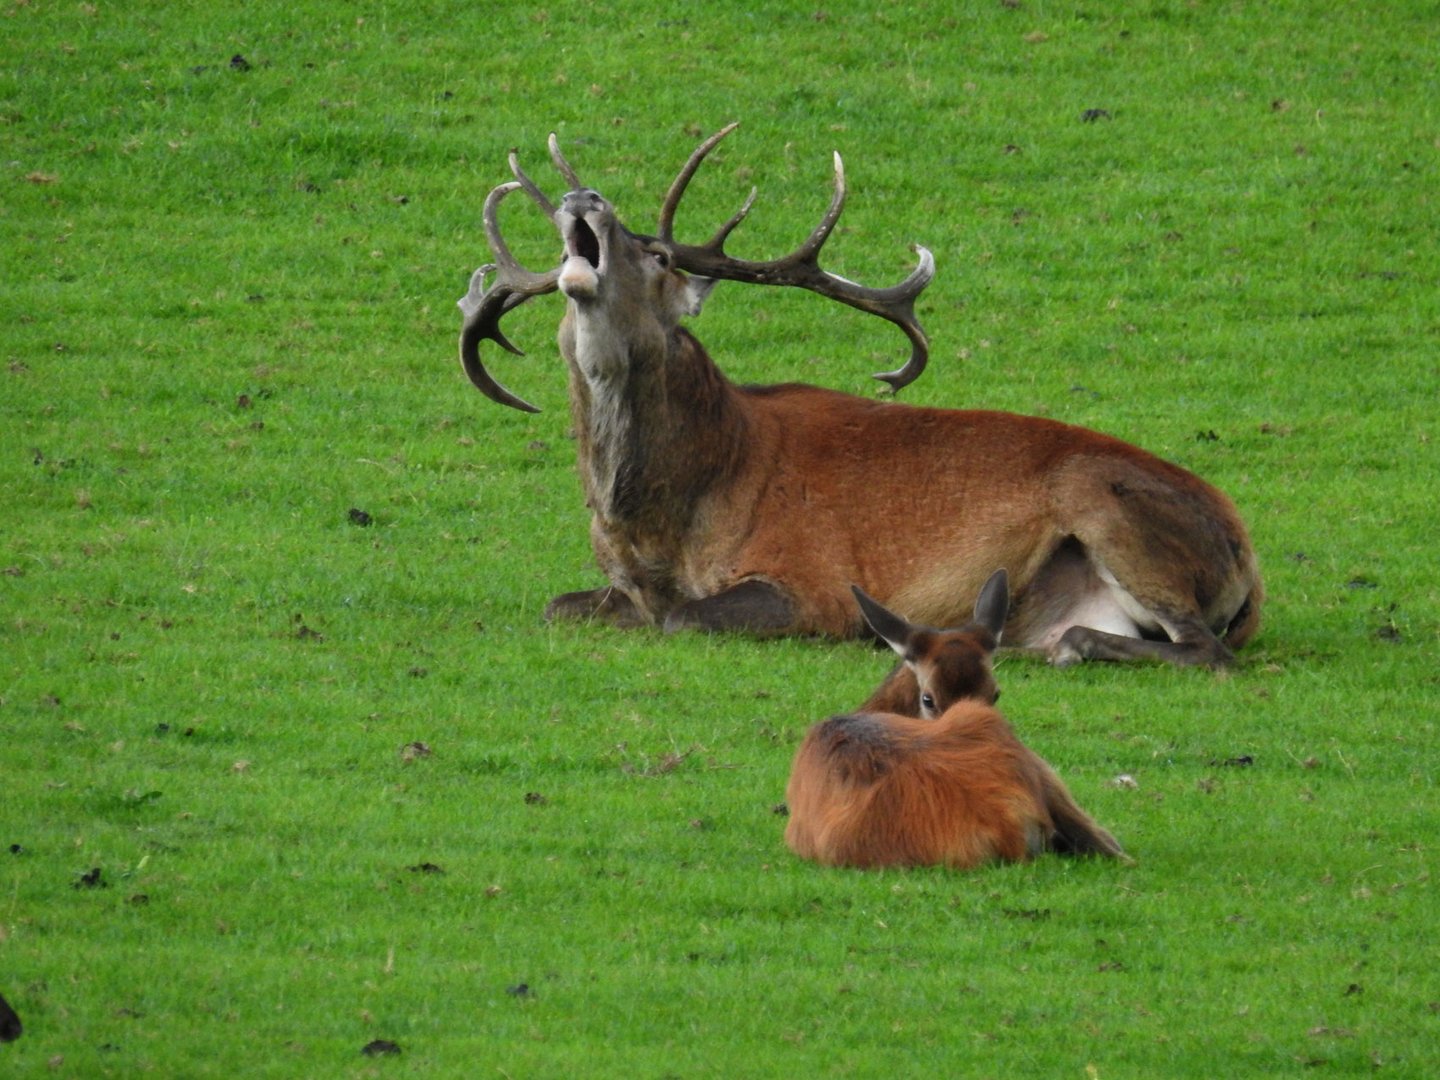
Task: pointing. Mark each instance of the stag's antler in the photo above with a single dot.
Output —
(802, 267)
(513, 286)
(513, 283)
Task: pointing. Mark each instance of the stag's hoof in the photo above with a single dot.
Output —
(1064, 653)
(751, 607)
(608, 605)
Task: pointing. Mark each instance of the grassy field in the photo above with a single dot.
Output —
(290, 764)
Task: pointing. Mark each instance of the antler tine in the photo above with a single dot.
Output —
(801, 268)
(717, 242)
(511, 272)
(904, 307)
(809, 251)
(529, 185)
(484, 308)
(564, 166)
(666, 228)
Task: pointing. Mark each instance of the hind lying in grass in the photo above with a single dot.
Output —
(928, 772)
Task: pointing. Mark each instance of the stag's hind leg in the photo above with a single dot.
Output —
(1191, 644)
(1157, 563)
(1077, 609)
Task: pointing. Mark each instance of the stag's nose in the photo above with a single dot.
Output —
(583, 201)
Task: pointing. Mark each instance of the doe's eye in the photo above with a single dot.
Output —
(927, 701)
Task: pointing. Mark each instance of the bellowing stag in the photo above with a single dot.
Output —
(723, 507)
(927, 772)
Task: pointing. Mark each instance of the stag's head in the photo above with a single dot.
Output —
(656, 279)
(629, 281)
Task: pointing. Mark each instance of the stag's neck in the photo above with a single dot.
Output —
(658, 426)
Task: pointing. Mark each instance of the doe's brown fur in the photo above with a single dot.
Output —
(877, 788)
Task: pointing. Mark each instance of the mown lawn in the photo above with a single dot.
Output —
(292, 765)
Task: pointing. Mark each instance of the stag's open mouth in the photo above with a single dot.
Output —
(584, 243)
(584, 257)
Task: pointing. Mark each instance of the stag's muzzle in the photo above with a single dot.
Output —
(583, 218)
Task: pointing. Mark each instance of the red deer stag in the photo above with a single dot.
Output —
(928, 772)
(724, 507)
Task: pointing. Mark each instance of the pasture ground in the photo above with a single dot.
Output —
(291, 765)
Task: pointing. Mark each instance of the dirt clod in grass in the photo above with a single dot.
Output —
(425, 868)
(1090, 116)
(780, 810)
(534, 798)
(379, 1047)
(1240, 762)
(10, 1026)
(93, 878)
(520, 990)
(17, 849)
(239, 63)
(412, 750)
(360, 517)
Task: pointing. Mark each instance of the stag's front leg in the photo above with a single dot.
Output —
(608, 605)
(751, 607)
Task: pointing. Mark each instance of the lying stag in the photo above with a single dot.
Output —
(722, 507)
(942, 782)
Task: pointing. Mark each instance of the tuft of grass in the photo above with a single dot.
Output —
(291, 765)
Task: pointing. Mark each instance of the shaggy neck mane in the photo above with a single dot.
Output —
(656, 435)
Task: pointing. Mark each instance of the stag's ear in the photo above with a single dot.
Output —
(993, 604)
(891, 628)
(697, 289)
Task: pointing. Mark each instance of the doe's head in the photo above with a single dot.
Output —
(948, 665)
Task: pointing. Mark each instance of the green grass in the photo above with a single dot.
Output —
(228, 308)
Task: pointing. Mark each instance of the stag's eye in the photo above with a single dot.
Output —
(661, 257)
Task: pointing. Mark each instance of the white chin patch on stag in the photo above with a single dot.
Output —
(578, 278)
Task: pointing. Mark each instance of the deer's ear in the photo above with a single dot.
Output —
(891, 628)
(697, 290)
(993, 604)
